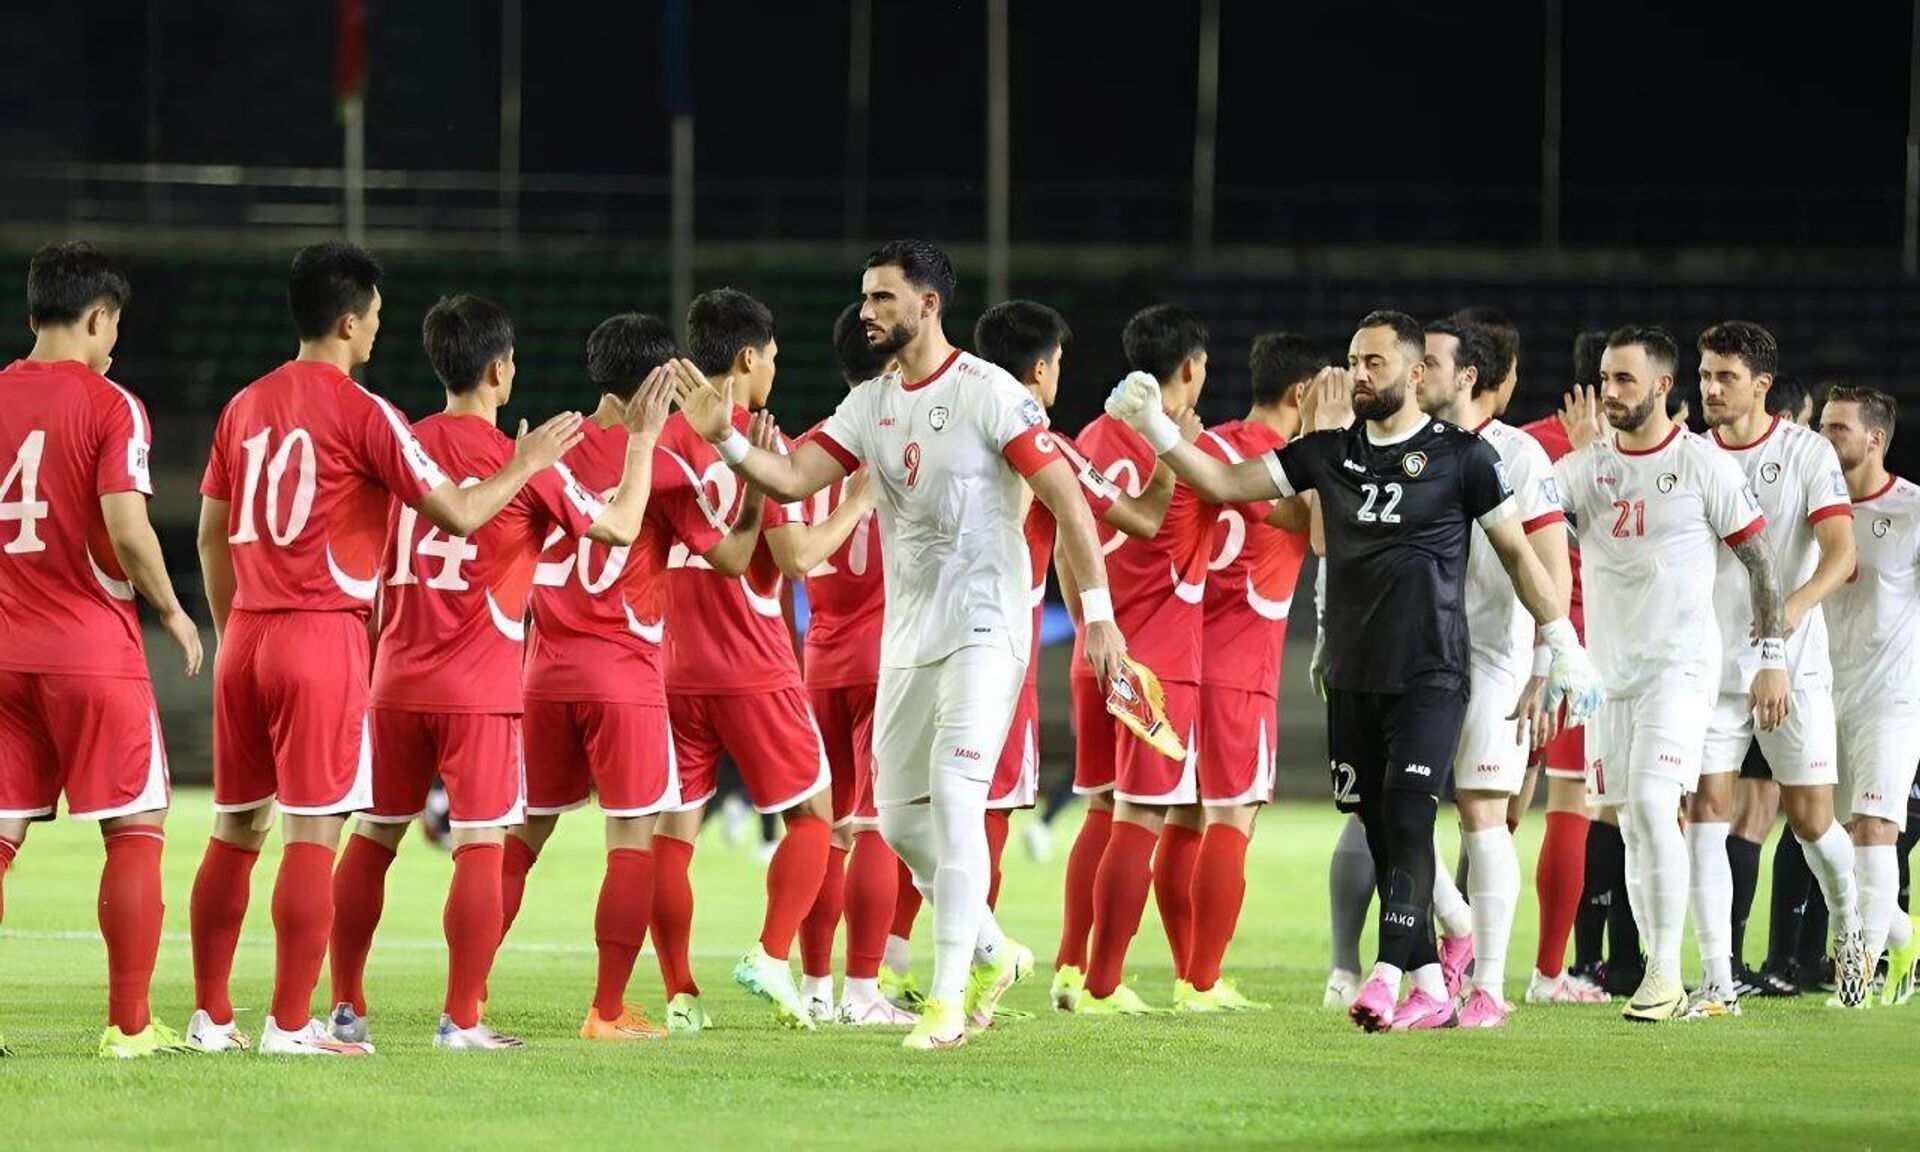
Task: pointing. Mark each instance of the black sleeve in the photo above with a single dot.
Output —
(1301, 460)
(1483, 480)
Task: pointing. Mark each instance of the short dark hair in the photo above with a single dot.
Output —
(859, 362)
(1017, 334)
(462, 335)
(1587, 349)
(64, 281)
(1478, 350)
(1657, 342)
(1160, 337)
(925, 266)
(1786, 394)
(329, 281)
(1747, 340)
(1280, 360)
(1405, 329)
(625, 348)
(722, 322)
(1505, 334)
(1877, 409)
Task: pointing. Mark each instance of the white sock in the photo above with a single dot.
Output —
(862, 991)
(898, 956)
(1430, 979)
(820, 987)
(1663, 870)
(1712, 899)
(959, 880)
(987, 945)
(1390, 974)
(1831, 859)
(1899, 929)
(1877, 868)
(1493, 878)
(1449, 907)
(1636, 895)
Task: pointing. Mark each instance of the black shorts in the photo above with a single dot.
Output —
(1755, 766)
(1391, 740)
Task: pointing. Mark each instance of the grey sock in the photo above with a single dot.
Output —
(1350, 890)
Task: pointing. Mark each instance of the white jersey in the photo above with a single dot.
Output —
(947, 455)
(1875, 617)
(1498, 625)
(1793, 472)
(1651, 523)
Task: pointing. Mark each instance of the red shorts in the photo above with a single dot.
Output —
(1093, 737)
(94, 738)
(290, 714)
(1565, 756)
(1144, 776)
(476, 754)
(621, 752)
(845, 717)
(770, 736)
(1016, 778)
(1237, 730)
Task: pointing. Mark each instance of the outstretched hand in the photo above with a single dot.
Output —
(1580, 415)
(646, 413)
(543, 447)
(707, 408)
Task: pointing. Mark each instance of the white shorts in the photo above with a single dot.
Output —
(1489, 757)
(949, 716)
(1658, 734)
(1800, 751)
(1879, 743)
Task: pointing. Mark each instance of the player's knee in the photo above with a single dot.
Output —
(1649, 809)
(388, 836)
(1872, 831)
(1409, 816)
(242, 829)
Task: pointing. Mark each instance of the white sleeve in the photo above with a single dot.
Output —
(1006, 411)
(843, 434)
(1825, 485)
(1536, 495)
(1732, 508)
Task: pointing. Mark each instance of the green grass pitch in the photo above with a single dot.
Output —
(1789, 1075)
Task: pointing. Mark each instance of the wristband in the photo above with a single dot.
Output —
(1542, 660)
(1161, 433)
(734, 448)
(1559, 635)
(1096, 606)
(1773, 652)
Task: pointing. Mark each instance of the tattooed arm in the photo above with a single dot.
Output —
(1768, 696)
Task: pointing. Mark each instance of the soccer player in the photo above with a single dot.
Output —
(1399, 494)
(1160, 593)
(292, 530)
(1801, 491)
(1464, 383)
(948, 438)
(1875, 618)
(446, 672)
(733, 678)
(596, 700)
(77, 716)
(1252, 571)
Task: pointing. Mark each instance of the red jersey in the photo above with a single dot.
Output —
(308, 461)
(1552, 436)
(600, 613)
(1251, 576)
(1158, 585)
(848, 596)
(67, 437)
(734, 639)
(1041, 529)
(453, 611)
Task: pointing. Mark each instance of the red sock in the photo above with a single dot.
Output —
(130, 914)
(1083, 863)
(672, 920)
(1219, 888)
(472, 922)
(515, 862)
(620, 925)
(997, 829)
(1173, 863)
(1119, 897)
(873, 876)
(302, 920)
(793, 882)
(906, 904)
(1558, 878)
(8, 849)
(823, 921)
(359, 895)
(216, 910)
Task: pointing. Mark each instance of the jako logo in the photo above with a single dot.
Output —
(1487, 768)
(966, 754)
(1399, 919)
(1669, 758)
(1419, 770)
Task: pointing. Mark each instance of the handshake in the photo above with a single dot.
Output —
(1135, 401)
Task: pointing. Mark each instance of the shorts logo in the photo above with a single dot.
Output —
(1666, 481)
(1669, 758)
(1871, 797)
(1419, 770)
(1882, 526)
(1486, 768)
(1415, 463)
(966, 754)
(938, 417)
(1770, 472)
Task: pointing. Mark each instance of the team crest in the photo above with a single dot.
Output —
(1770, 472)
(938, 417)
(1882, 526)
(1666, 481)
(1414, 463)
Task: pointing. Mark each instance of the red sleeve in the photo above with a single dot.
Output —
(1753, 528)
(835, 449)
(390, 453)
(123, 445)
(215, 482)
(1031, 451)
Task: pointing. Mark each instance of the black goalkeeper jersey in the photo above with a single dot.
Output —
(1399, 519)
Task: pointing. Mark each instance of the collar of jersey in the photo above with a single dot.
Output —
(937, 373)
(1400, 439)
(1672, 434)
(1884, 489)
(1755, 443)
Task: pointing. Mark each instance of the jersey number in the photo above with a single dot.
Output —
(276, 467)
(29, 510)
(451, 551)
(1386, 515)
(1630, 518)
(912, 461)
(858, 544)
